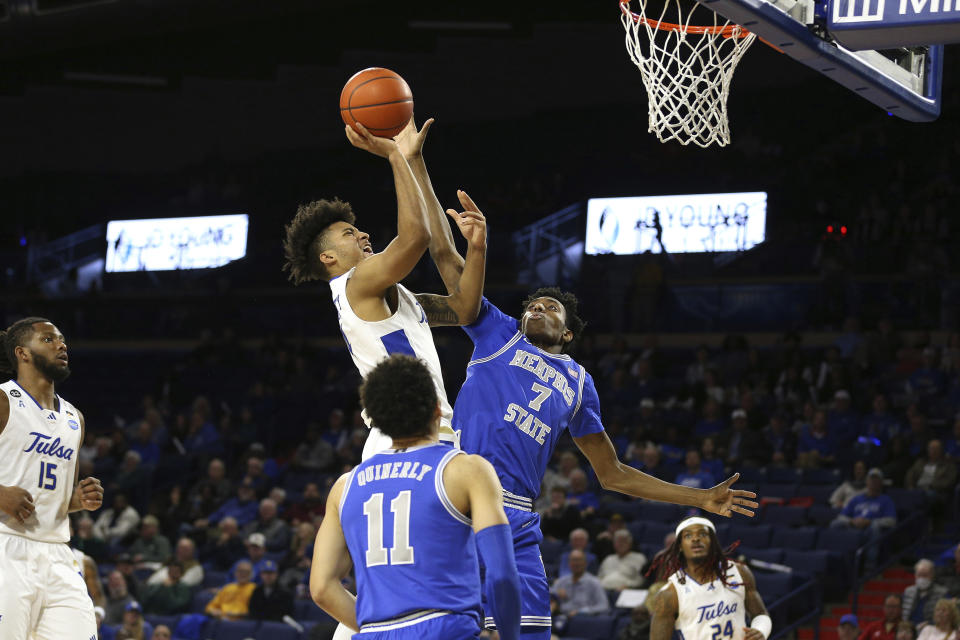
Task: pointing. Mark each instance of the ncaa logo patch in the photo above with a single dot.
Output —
(14, 393)
(73, 424)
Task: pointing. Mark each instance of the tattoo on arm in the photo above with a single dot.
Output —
(438, 310)
(753, 599)
(664, 610)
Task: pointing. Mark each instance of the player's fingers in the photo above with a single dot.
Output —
(467, 201)
(746, 503)
(741, 510)
(27, 498)
(363, 131)
(453, 213)
(426, 127)
(729, 481)
(740, 493)
(472, 215)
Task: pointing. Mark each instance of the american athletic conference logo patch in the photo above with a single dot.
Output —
(73, 424)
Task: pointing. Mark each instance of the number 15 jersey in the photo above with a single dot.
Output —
(38, 449)
(516, 402)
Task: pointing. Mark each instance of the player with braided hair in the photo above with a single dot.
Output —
(42, 592)
(707, 596)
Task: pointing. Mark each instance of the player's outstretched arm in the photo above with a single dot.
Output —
(472, 485)
(760, 622)
(617, 476)
(331, 561)
(664, 611)
(462, 305)
(443, 251)
(390, 266)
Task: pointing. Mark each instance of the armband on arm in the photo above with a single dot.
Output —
(763, 624)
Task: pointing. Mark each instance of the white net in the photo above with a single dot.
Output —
(686, 69)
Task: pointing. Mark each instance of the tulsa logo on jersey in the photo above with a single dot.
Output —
(43, 444)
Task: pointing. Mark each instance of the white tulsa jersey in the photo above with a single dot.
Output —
(710, 611)
(406, 331)
(38, 448)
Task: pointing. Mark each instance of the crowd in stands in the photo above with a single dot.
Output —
(213, 500)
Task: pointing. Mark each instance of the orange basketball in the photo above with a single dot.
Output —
(379, 99)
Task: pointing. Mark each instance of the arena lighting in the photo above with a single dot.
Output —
(693, 223)
(167, 244)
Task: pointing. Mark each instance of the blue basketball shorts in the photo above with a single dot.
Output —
(450, 626)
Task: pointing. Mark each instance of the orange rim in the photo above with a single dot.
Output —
(728, 31)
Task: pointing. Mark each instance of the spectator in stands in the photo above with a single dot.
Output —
(310, 506)
(948, 576)
(170, 596)
(927, 381)
(269, 600)
(117, 522)
(560, 518)
(906, 631)
(256, 477)
(898, 461)
(952, 445)
(124, 564)
(639, 626)
(946, 622)
(104, 631)
(885, 629)
(202, 437)
(652, 462)
(695, 475)
(842, 421)
(872, 512)
(935, 474)
(151, 548)
(256, 552)
(186, 555)
(134, 627)
(817, 447)
(880, 423)
(743, 446)
(227, 545)
(711, 423)
(698, 368)
(849, 627)
(580, 496)
(275, 531)
(850, 487)
(314, 453)
(242, 508)
(708, 458)
(579, 592)
(144, 445)
(161, 632)
(211, 491)
(920, 433)
(233, 600)
(623, 569)
(603, 543)
(781, 441)
(279, 497)
(644, 384)
(336, 433)
(132, 480)
(579, 541)
(87, 541)
(920, 598)
(296, 564)
(118, 597)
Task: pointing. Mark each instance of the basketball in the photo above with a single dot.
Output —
(379, 99)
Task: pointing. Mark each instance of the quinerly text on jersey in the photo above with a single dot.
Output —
(710, 611)
(516, 402)
(407, 331)
(37, 446)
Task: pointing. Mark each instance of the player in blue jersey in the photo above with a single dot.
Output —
(521, 392)
(411, 520)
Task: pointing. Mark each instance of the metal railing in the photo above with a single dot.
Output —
(548, 238)
(58, 256)
(918, 520)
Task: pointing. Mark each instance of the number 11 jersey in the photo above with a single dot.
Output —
(38, 448)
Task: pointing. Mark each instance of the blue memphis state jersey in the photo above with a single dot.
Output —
(413, 553)
(517, 400)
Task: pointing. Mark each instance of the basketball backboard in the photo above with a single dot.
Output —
(904, 81)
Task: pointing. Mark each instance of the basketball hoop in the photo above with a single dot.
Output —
(686, 70)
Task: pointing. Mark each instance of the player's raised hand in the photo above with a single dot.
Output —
(17, 503)
(410, 141)
(724, 501)
(472, 223)
(365, 140)
(88, 495)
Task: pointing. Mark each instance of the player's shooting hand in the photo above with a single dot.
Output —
(410, 141)
(724, 501)
(88, 495)
(750, 633)
(16, 503)
(365, 140)
(472, 223)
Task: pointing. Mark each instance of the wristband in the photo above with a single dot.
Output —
(763, 624)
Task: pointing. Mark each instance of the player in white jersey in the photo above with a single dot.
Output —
(42, 594)
(378, 316)
(707, 595)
